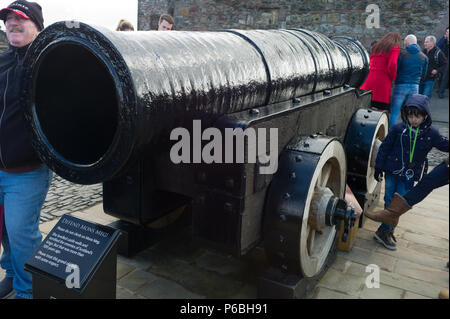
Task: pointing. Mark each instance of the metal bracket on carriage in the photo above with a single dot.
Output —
(337, 211)
(329, 210)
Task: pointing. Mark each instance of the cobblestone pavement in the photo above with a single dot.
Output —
(65, 197)
(435, 157)
(439, 114)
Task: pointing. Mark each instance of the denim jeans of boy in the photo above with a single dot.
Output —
(22, 195)
(401, 93)
(394, 184)
(426, 88)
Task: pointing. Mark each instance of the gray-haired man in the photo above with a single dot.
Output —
(436, 64)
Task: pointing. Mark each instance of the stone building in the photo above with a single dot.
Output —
(3, 41)
(357, 19)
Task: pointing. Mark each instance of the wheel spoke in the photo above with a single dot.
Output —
(325, 175)
(310, 242)
(319, 180)
(375, 148)
(314, 262)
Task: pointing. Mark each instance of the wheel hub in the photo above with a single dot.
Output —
(328, 210)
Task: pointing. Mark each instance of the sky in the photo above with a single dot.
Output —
(106, 13)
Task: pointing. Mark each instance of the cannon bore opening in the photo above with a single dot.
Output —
(76, 103)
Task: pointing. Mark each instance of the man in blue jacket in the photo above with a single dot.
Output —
(411, 69)
(24, 180)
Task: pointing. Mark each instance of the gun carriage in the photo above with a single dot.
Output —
(102, 106)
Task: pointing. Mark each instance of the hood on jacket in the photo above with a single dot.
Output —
(413, 48)
(422, 103)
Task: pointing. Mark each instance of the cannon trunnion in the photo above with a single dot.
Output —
(103, 106)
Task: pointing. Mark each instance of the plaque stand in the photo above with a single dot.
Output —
(95, 251)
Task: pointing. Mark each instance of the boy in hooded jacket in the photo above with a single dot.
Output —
(402, 157)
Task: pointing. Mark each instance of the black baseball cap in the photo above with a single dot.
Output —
(27, 10)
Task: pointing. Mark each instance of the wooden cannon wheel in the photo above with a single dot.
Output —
(328, 179)
(296, 238)
(379, 133)
(363, 138)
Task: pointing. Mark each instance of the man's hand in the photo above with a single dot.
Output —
(434, 72)
(378, 175)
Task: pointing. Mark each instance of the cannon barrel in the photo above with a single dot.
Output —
(95, 98)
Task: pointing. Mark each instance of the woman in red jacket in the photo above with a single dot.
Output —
(383, 69)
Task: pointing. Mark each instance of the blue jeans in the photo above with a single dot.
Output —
(22, 195)
(401, 93)
(426, 88)
(436, 178)
(394, 184)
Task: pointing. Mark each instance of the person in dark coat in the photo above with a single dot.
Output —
(24, 179)
(437, 62)
(443, 45)
(383, 70)
(402, 156)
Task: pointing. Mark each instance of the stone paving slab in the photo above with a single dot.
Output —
(411, 295)
(136, 280)
(325, 293)
(166, 289)
(387, 278)
(388, 292)
(342, 282)
(420, 272)
(426, 239)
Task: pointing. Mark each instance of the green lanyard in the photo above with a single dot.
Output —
(411, 152)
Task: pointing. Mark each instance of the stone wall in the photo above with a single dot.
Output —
(330, 17)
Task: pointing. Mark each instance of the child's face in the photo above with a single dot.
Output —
(415, 119)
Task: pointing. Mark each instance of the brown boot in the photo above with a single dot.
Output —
(392, 213)
(443, 294)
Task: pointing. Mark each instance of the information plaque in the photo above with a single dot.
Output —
(73, 254)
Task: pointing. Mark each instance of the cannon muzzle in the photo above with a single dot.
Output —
(96, 98)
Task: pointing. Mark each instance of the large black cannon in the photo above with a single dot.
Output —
(110, 107)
